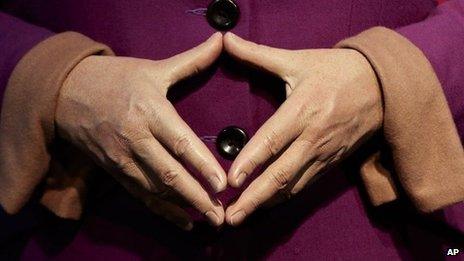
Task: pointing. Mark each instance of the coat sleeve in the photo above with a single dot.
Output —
(419, 68)
(16, 38)
(441, 39)
(34, 63)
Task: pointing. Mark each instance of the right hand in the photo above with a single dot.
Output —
(115, 109)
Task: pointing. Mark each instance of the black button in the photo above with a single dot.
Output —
(230, 141)
(223, 14)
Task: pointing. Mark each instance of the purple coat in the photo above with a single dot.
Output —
(332, 219)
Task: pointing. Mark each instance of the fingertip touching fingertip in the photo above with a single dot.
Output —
(229, 34)
(216, 35)
(228, 39)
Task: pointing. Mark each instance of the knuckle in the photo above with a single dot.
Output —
(127, 167)
(279, 179)
(140, 109)
(305, 112)
(138, 141)
(130, 132)
(109, 141)
(196, 69)
(147, 112)
(153, 115)
(140, 144)
(117, 158)
(139, 112)
(305, 145)
(153, 118)
(252, 163)
(169, 178)
(182, 144)
(271, 142)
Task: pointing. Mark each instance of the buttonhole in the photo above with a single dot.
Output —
(197, 11)
(208, 138)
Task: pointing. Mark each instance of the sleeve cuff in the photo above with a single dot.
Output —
(418, 127)
(28, 111)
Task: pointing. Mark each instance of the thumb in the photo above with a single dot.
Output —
(195, 60)
(274, 60)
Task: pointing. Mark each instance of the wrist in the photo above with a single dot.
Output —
(29, 129)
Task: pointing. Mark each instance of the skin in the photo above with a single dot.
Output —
(333, 104)
(115, 109)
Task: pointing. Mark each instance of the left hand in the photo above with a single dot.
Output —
(116, 111)
(333, 103)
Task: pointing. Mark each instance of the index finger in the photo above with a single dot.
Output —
(276, 133)
(180, 139)
(276, 178)
(274, 60)
(192, 61)
(161, 165)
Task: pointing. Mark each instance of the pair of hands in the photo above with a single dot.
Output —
(115, 109)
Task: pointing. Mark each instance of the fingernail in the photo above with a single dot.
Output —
(214, 35)
(218, 203)
(237, 217)
(213, 218)
(216, 183)
(241, 178)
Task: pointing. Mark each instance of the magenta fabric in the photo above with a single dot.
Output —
(441, 38)
(16, 38)
(332, 219)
